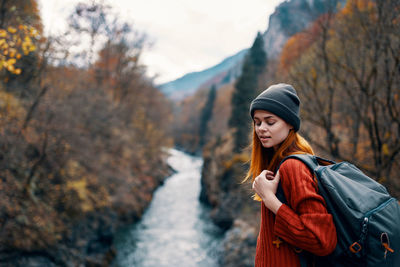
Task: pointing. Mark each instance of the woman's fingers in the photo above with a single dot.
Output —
(271, 176)
(266, 184)
(266, 174)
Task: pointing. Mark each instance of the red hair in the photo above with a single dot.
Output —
(267, 159)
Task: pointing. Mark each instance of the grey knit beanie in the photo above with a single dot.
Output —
(282, 100)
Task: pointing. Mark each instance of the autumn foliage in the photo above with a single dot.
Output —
(81, 148)
(345, 67)
(15, 42)
(298, 44)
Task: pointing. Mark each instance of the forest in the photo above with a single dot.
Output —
(82, 145)
(345, 67)
(80, 149)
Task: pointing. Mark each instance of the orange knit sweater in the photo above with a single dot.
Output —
(303, 223)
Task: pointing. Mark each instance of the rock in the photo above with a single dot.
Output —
(233, 209)
(239, 245)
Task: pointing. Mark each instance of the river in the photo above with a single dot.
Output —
(175, 230)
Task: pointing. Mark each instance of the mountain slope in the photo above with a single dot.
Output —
(290, 17)
(189, 83)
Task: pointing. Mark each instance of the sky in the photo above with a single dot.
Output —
(186, 35)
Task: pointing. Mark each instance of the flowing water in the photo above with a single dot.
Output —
(175, 230)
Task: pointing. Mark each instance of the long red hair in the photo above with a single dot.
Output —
(267, 159)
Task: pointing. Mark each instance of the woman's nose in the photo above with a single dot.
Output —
(263, 126)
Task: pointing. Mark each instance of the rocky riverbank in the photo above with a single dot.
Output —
(88, 240)
(232, 207)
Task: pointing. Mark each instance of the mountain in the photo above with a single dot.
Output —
(290, 17)
(189, 83)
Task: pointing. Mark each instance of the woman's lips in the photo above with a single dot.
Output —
(264, 139)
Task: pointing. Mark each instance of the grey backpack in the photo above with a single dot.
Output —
(366, 217)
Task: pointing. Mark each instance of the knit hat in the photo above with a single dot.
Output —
(282, 100)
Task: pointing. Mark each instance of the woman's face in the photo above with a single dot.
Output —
(270, 129)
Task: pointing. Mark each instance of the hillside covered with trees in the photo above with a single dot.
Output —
(81, 152)
(345, 67)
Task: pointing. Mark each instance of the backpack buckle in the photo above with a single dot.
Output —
(386, 244)
(355, 247)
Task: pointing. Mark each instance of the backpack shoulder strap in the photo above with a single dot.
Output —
(309, 160)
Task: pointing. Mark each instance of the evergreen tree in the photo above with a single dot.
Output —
(206, 115)
(245, 90)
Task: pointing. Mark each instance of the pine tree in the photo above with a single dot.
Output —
(206, 115)
(245, 90)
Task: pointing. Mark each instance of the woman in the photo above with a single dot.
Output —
(303, 223)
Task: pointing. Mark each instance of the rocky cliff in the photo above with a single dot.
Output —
(291, 17)
(232, 206)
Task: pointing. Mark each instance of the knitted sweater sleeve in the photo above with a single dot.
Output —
(304, 222)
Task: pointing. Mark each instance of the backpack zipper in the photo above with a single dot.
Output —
(358, 245)
(381, 206)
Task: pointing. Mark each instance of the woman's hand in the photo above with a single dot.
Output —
(265, 185)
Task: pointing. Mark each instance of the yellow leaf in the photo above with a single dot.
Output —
(11, 61)
(13, 52)
(11, 29)
(17, 71)
(385, 149)
(27, 40)
(79, 186)
(313, 73)
(382, 179)
(10, 68)
(33, 32)
(3, 33)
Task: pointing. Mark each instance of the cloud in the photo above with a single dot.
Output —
(188, 35)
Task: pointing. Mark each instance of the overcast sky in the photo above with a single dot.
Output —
(188, 35)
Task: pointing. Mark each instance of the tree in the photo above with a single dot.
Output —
(94, 24)
(349, 84)
(245, 90)
(87, 145)
(206, 115)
